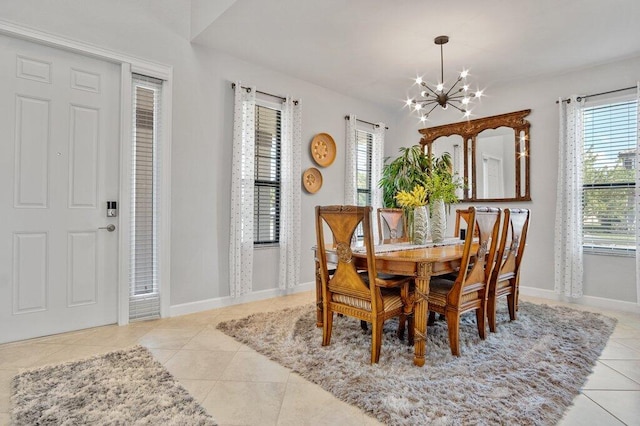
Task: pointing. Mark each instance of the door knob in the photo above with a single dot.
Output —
(110, 227)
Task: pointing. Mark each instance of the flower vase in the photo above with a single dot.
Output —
(420, 225)
(438, 221)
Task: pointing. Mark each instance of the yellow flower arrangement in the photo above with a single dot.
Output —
(416, 198)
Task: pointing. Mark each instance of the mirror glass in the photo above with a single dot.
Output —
(495, 163)
(454, 145)
(523, 160)
(490, 154)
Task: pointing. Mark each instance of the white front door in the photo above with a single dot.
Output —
(59, 165)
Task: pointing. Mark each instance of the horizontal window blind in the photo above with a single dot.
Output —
(364, 145)
(364, 149)
(610, 139)
(144, 295)
(266, 226)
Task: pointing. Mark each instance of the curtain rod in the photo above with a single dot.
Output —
(346, 117)
(579, 98)
(248, 89)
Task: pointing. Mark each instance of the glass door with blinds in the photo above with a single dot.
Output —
(144, 293)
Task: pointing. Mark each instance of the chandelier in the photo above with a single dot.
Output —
(458, 95)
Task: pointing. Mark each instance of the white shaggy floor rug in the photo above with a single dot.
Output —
(527, 373)
(119, 388)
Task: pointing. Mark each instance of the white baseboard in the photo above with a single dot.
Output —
(596, 302)
(221, 302)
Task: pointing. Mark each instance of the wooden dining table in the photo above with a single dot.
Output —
(421, 263)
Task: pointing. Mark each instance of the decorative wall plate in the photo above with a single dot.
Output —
(312, 180)
(323, 149)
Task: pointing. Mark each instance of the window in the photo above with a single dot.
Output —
(364, 144)
(266, 227)
(610, 139)
(144, 294)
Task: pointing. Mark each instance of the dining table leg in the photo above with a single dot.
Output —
(421, 309)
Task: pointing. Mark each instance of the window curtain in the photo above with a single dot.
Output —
(568, 227)
(377, 158)
(242, 187)
(350, 188)
(290, 195)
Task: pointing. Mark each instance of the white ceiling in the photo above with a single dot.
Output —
(372, 49)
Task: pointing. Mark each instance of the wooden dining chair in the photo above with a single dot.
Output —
(468, 292)
(364, 295)
(505, 278)
(394, 223)
(463, 215)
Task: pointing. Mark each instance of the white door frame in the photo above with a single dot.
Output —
(129, 65)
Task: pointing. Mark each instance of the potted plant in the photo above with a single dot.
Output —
(441, 186)
(413, 168)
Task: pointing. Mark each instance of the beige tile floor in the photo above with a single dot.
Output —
(238, 386)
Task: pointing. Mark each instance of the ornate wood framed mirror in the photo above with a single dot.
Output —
(491, 154)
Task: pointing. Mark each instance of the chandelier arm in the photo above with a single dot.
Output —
(456, 97)
(432, 108)
(454, 85)
(431, 90)
(459, 109)
(426, 102)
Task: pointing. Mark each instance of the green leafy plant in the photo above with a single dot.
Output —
(414, 168)
(403, 173)
(442, 185)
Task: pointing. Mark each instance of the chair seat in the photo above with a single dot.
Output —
(439, 289)
(390, 300)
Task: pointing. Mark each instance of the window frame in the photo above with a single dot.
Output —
(146, 146)
(592, 248)
(262, 183)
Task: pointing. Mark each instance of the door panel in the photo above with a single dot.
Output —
(59, 164)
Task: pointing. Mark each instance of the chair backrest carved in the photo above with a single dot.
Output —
(394, 222)
(343, 222)
(476, 277)
(463, 215)
(514, 231)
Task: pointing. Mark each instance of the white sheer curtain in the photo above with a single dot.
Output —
(242, 182)
(377, 158)
(350, 189)
(568, 227)
(290, 194)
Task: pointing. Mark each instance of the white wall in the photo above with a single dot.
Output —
(158, 30)
(605, 277)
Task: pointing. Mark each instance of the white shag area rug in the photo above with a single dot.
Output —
(527, 373)
(127, 387)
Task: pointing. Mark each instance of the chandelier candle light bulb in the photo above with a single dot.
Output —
(456, 96)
